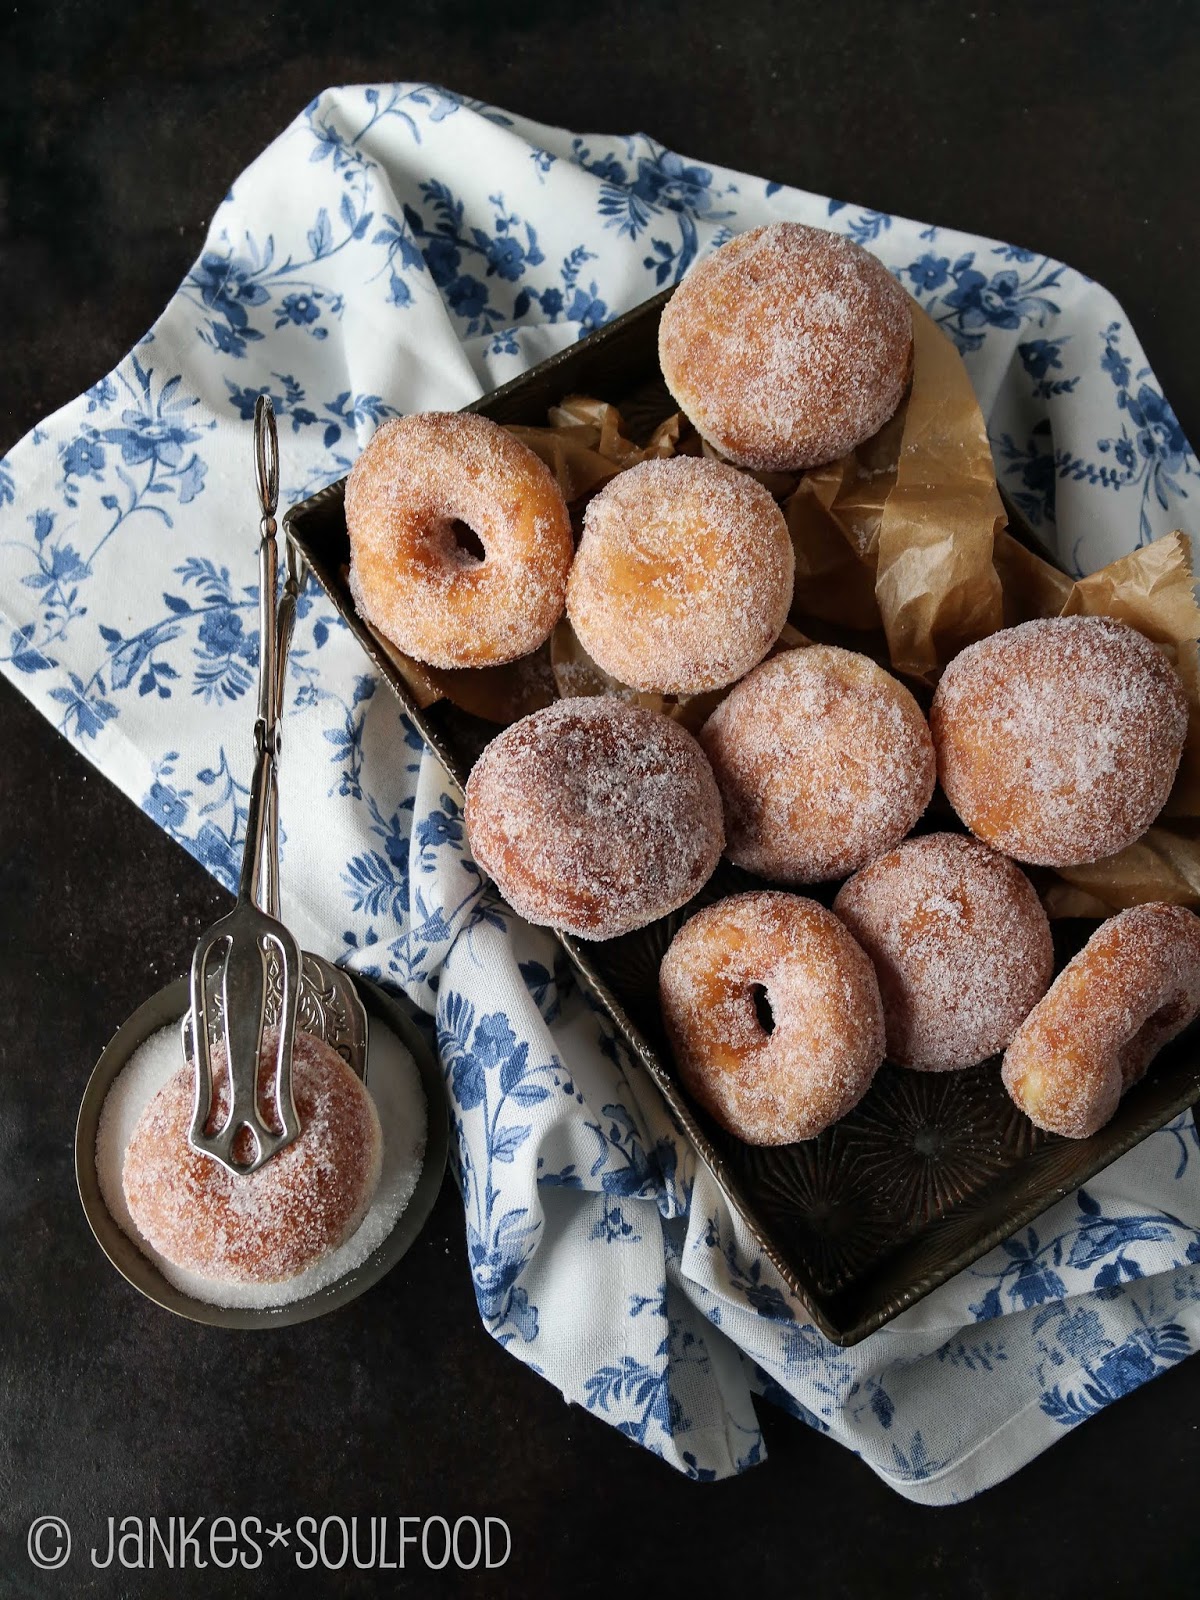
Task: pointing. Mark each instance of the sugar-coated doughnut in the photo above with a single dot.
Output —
(774, 1015)
(960, 943)
(413, 578)
(1058, 740)
(823, 760)
(1129, 991)
(594, 816)
(787, 347)
(683, 578)
(269, 1225)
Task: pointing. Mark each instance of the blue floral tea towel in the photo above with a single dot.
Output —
(399, 248)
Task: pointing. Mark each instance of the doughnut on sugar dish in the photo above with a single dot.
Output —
(823, 760)
(399, 1098)
(594, 816)
(960, 944)
(774, 1015)
(270, 1225)
(1133, 987)
(683, 578)
(1058, 740)
(414, 578)
(787, 347)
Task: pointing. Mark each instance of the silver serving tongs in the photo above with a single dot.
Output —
(248, 972)
(259, 960)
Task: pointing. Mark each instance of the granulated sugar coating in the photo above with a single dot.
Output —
(264, 1226)
(594, 816)
(825, 1040)
(787, 347)
(1129, 991)
(683, 578)
(400, 1104)
(1058, 740)
(960, 944)
(409, 573)
(823, 760)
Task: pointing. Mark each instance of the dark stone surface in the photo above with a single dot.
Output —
(1071, 128)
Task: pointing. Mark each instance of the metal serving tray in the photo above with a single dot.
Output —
(931, 1170)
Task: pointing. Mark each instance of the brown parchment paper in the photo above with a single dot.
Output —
(902, 552)
(899, 534)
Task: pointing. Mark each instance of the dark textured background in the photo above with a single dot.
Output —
(1069, 128)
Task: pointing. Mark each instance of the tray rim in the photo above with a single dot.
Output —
(900, 1300)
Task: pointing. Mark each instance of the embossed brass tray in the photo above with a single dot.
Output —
(931, 1170)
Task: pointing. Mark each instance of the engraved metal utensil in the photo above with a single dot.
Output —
(248, 972)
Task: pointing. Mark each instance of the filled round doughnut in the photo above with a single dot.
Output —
(594, 816)
(787, 347)
(1129, 991)
(418, 578)
(1058, 740)
(823, 760)
(774, 1015)
(960, 944)
(683, 578)
(268, 1225)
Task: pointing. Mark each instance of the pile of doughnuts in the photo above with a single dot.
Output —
(1055, 742)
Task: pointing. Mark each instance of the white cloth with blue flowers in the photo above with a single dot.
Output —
(399, 248)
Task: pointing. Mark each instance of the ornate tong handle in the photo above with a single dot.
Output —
(253, 947)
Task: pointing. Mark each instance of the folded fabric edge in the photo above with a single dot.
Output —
(962, 1480)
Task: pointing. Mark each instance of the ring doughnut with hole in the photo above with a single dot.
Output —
(426, 495)
(774, 1015)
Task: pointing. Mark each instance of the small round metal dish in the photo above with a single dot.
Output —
(166, 1007)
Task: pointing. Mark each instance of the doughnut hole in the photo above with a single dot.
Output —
(465, 545)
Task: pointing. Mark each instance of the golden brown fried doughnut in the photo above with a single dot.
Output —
(1129, 991)
(787, 347)
(409, 573)
(960, 943)
(1058, 740)
(825, 1039)
(683, 577)
(269, 1225)
(823, 760)
(594, 816)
